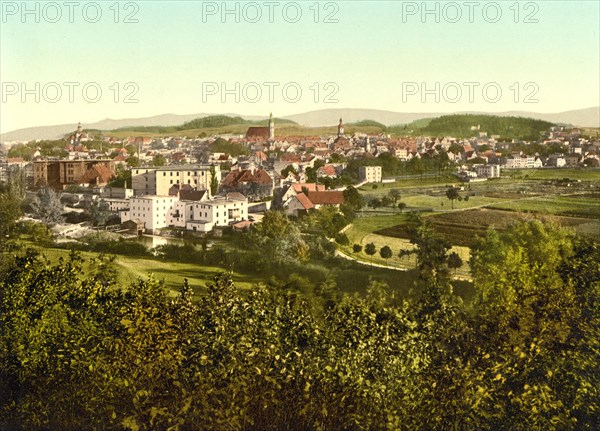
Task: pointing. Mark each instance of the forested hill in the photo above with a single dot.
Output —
(461, 126)
(212, 121)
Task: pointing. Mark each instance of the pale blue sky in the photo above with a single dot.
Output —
(372, 55)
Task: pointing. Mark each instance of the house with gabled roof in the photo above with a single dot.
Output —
(297, 188)
(330, 198)
(327, 171)
(298, 205)
(255, 183)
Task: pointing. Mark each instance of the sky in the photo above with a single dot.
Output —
(68, 61)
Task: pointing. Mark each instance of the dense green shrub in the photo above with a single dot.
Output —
(76, 353)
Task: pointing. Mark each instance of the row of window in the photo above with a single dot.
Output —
(189, 182)
(188, 173)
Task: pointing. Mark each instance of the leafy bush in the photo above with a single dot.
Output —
(342, 239)
(179, 253)
(81, 353)
(385, 252)
(370, 249)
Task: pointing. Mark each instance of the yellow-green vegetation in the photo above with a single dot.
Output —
(442, 202)
(363, 231)
(525, 195)
(575, 205)
(459, 125)
(384, 188)
(519, 354)
(584, 174)
(363, 228)
(172, 274)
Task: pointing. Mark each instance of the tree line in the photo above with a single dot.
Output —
(460, 126)
(85, 353)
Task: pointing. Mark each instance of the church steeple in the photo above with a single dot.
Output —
(271, 127)
(340, 128)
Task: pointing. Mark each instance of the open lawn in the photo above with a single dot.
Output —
(584, 174)
(462, 228)
(130, 269)
(351, 277)
(362, 226)
(443, 203)
(364, 231)
(437, 202)
(384, 188)
(587, 205)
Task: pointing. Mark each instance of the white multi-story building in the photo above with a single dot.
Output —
(488, 171)
(401, 153)
(218, 212)
(370, 174)
(158, 181)
(558, 161)
(116, 205)
(523, 162)
(151, 210)
(158, 212)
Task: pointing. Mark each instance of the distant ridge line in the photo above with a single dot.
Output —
(588, 117)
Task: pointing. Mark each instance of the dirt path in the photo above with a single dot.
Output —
(362, 262)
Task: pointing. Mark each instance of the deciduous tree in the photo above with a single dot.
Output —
(385, 252)
(47, 207)
(452, 194)
(370, 249)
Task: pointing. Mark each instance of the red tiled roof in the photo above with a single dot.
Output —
(258, 176)
(292, 158)
(97, 174)
(236, 196)
(328, 170)
(258, 132)
(305, 201)
(330, 197)
(311, 187)
(191, 195)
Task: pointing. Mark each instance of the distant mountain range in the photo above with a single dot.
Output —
(589, 117)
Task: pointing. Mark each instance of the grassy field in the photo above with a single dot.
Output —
(587, 174)
(442, 202)
(130, 269)
(351, 277)
(464, 227)
(364, 231)
(437, 201)
(575, 205)
(384, 188)
(361, 232)
(461, 228)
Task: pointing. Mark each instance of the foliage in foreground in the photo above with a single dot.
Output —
(86, 354)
